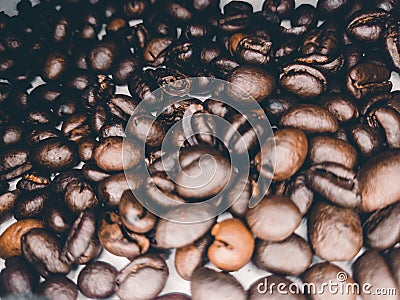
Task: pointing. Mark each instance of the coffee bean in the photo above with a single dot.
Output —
(368, 26)
(274, 219)
(321, 273)
(10, 239)
(381, 228)
(141, 271)
(379, 278)
(80, 196)
(332, 225)
(300, 194)
(58, 287)
(282, 156)
(208, 283)
(30, 204)
(310, 118)
(7, 201)
(291, 256)
(233, 245)
(42, 249)
(377, 191)
(96, 280)
(57, 216)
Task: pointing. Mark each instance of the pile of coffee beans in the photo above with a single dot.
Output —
(333, 163)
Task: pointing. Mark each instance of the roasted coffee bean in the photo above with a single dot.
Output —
(208, 283)
(111, 188)
(368, 26)
(379, 277)
(336, 183)
(98, 91)
(10, 239)
(302, 80)
(92, 252)
(113, 239)
(108, 154)
(304, 15)
(18, 277)
(382, 228)
(367, 79)
(332, 225)
(102, 56)
(170, 234)
(55, 66)
(332, 9)
(321, 273)
(54, 155)
(377, 190)
(263, 84)
(61, 181)
(133, 215)
(42, 249)
(30, 204)
(11, 134)
(7, 201)
(86, 149)
(275, 218)
(328, 149)
(155, 51)
(368, 141)
(310, 118)
(115, 128)
(291, 256)
(58, 287)
(33, 181)
(392, 45)
(277, 105)
(122, 106)
(124, 68)
(340, 105)
(282, 8)
(96, 280)
(93, 173)
(79, 237)
(233, 245)
(300, 194)
(57, 216)
(13, 157)
(282, 156)
(80, 196)
(138, 273)
(190, 257)
(389, 120)
(266, 288)
(146, 130)
(173, 296)
(76, 127)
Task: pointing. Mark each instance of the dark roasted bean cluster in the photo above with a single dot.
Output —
(321, 74)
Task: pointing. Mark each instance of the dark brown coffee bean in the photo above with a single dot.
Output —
(61, 181)
(380, 277)
(300, 194)
(170, 234)
(267, 288)
(96, 280)
(18, 277)
(93, 173)
(7, 201)
(282, 8)
(54, 155)
(139, 272)
(79, 237)
(367, 140)
(115, 128)
(376, 179)
(208, 283)
(321, 273)
(86, 149)
(291, 256)
(155, 50)
(290, 146)
(367, 79)
(13, 157)
(340, 105)
(98, 91)
(42, 249)
(122, 106)
(57, 216)
(33, 181)
(76, 127)
(368, 26)
(10, 239)
(80, 196)
(102, 56)
(109, 155)
(302, 80)
(388, 119)
(145, 129)
(58, 287)
(336, 183)
(133, 215)
(263, 84)
(124, 68)
(92, 252)
(332, 9)
(114, 240)
(110, 189)
(310, 118)
(190, 257)
(233, 245)
(275, 218)
(55, 66)
(332, 225)
(11, 134)
(382, 228)
(30, 204)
